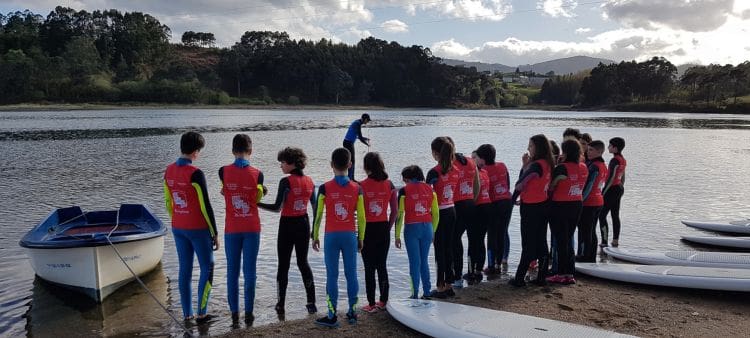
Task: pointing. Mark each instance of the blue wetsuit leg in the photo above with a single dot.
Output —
(331, 251)
(425, 241)
(241, 247)
(233, 250)
(198, 242)
(204, 250)
(250, 247)
(349, 253)
(413, 251)
(185, 255)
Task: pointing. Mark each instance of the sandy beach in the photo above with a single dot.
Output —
(625, 308)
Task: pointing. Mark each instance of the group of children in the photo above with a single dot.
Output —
(459, 194)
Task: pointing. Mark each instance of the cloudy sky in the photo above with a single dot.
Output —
(511, 32)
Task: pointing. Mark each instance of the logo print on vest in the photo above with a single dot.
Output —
(340, 211)
(448, 192)
(239, 204)
(420, 209)
(299, 205)
(179, 199)
(376, 207)
(466, 188)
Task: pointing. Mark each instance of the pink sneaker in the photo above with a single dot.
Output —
(557, 279)
(569, 280)
(370, 308)
(380, 305)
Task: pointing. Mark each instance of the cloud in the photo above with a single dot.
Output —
(727, 44)
(394, 26)
(492, 10)
(583, 30)
(558, 8)
(688, 15)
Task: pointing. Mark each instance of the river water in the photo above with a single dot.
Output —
(680, 166)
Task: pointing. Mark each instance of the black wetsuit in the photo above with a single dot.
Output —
(612, 198)
(443, 239)
(533, 230)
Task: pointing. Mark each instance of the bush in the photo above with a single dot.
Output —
(293, 100)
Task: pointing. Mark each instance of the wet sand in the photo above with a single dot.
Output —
(625, 308)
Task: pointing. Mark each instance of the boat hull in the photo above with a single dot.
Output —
(96, 271)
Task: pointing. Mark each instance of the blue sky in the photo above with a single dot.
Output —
(511, 32)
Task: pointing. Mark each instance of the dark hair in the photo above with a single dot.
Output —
(241, 143)
(446, 152)
(542, 149)
(586, 137)
(341, 158)
(412, 172)
(572, 132)
(598, 145)
(191, 141)
(487, 153)
(555, 148)
(618, 142)
(374, 164)
(366, 117)
(572, 150)
(291, 155)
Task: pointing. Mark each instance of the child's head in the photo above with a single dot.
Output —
(585, 139)
(572, 133)
(486, 154)
(374, 166)
(616, 144)
(412, 173)
(555, 148)
(191, 143)
(444, 152)
(365, 118)
(291, 158)
(242, 145)
(572, 150)
(540, 149)
(341, 159)
(595, 149)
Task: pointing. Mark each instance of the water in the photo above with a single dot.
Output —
(679, 167)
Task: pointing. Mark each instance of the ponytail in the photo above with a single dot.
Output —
(443, 146)
(374, 164)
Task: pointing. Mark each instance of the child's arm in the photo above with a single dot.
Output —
(361, 219)
(477, 185)
(435, 212)
(198, 181)
(394, 207)
(261, 190)
(613, 164)
(280, 196)
(401, 213)
(593, 174)
(168, 199)
(559, 174)
(318, 216)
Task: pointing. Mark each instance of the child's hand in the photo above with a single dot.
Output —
(359, 245)
(398, 243)
(316, 245)
(525, 159)
(215, 242)
(265, 191)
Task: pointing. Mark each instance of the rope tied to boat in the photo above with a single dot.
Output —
(117, 224)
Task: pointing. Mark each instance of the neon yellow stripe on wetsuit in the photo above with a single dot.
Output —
(168, 199)
(202, 203)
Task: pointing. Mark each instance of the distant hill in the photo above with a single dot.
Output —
(568, 65)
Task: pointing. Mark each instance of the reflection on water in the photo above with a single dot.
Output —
(98, 160)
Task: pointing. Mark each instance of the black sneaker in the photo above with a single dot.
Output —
(469, 277)
(516, 283)
(538, 282)
(204, 319)
(426, 297)
(249, 318)
(478, 277)
(438, 294)
(311, 308)
(279, 308)
(328, 322)
(450, 293)
(235, 317)
(351, 316)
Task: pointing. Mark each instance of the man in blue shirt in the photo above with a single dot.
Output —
(354, 133)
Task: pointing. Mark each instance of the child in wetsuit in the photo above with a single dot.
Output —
(193, 224)
(613, 191)
(592, 201)
(242, 187)
(340, 198)
(418, 209)
(294, 193)
(500, 208)
(379, 197)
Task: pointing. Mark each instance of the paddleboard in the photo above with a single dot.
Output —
(683, 258)
(442, 319)
(673, 276)
(735, 227)
(727, 242)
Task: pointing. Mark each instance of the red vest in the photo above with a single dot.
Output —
(417, 203)
(377, 195)
(465, 188)
(484, 188)
(241, 196)
(536, 188)
(186, 209)
(499, 185)
(571, 188)
(620, 171)
(341, 205)
(300, 190)
(595, 198)
(445, 186)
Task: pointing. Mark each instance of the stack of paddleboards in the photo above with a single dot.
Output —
(727, 271)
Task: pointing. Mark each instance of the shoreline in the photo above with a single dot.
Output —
(640, 310)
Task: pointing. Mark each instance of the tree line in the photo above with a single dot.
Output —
(113, 56)
(653, 81)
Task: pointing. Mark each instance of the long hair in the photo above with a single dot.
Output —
(446, 152)
(572, 150)
(374, 164)
(542, 149)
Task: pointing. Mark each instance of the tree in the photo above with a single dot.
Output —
(81, 58)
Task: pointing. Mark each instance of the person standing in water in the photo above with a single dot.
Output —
(354, 133)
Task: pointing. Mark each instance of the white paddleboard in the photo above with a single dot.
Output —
(735, 227)
(674, 276)
(683, 258)
(727, 242)
(450, 320)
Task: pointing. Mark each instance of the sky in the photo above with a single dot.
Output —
(511, 32)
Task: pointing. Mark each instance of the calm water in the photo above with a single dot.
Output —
(679, 167)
